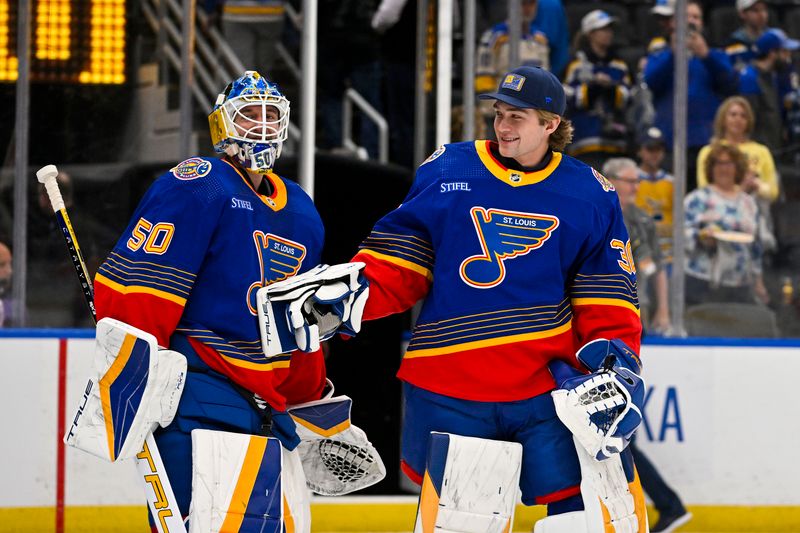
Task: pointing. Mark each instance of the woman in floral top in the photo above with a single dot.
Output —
(723, 261)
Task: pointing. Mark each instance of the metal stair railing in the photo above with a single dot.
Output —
(215, 62)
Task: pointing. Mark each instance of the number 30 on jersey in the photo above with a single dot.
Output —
(625, 261)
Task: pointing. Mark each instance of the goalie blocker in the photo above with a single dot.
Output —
(301, 311)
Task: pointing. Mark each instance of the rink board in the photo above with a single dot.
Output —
(719, 424)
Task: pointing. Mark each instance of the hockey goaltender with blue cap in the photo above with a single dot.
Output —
(522, 369)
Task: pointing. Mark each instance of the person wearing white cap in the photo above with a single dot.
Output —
(597, 83)
(755, 17)
(765, 82)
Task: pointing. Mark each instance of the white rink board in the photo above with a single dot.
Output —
(738, 419)
(722, 421)
(29, 391)
(90, 480)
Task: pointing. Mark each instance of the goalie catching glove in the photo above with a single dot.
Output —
(300, 312)
(337, 457)
(601, 409)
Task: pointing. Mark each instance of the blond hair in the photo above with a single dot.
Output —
(560, 138)
(719, 118)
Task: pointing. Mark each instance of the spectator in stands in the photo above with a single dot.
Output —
(723, 260)
(765, 82)
(755, 17)
(550, 18)
(597, 84)
(348, 55)
(711, 78)
(734, 124)
(493, 53)
(656, 188)
(5, 284)
(651, 278)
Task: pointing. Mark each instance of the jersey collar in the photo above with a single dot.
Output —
(515, 178)
(275, 201)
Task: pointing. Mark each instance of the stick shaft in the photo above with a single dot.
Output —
(77, 260)
(158, 490)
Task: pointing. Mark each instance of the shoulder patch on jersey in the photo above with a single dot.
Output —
(603, 181)
(439, 151)
(191, 169)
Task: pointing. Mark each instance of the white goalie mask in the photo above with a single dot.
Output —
(250, 122)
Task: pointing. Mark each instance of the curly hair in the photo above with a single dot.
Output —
(737, 156)
(560, 138)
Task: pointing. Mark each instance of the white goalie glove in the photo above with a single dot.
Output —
(302, 311)
(134, 387)
(601, 409)
(337, 457)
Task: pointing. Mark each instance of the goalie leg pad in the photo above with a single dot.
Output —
(134, 387)
(336, 455)
(246, 483)
(470, 485)
(611, 503)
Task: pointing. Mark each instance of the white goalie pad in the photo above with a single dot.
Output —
(133, 388)
(302, 311)
(246, 483)
(610, 504)
(470, 485)
(337, 457)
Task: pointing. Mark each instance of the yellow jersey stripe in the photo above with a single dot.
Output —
(605, 301)
(138, 289)
(399, 262)
(511, 339)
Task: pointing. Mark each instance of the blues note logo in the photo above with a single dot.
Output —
(279, 258)
(503, 235)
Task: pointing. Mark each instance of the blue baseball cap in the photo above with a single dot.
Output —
(774, 39)
(531, 88)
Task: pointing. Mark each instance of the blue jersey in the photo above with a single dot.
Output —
(516, 268)
(200, 244)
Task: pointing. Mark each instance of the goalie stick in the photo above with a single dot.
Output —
(160, 498)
